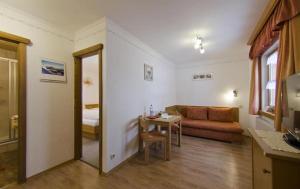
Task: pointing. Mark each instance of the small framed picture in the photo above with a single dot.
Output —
(53, 71)
(148, 72)
(196, 77)
(202, 76)
(209, 76)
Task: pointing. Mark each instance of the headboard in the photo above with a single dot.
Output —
(91, 106)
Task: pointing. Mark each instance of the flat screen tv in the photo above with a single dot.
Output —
(291, 106)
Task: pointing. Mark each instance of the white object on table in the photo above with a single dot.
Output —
(165, 116)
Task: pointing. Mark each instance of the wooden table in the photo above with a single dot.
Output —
(167, 123)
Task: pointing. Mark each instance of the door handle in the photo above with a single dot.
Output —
(265, 171)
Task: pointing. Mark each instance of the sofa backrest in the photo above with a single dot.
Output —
(181, 109)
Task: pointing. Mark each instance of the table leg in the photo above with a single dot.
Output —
(158, 128)
(141, 142)
(169, 141)
(141, 145)
(180, 134)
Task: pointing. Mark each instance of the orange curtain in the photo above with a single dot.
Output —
(288, 62)
(255, 87)
(284, 11)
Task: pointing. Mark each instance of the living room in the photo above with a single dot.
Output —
(207, 68)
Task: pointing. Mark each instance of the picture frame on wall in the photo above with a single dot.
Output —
(209, 76)
(148, 72)
(53, 71)
(202, 76)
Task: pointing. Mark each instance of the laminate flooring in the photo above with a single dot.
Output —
(199, 163)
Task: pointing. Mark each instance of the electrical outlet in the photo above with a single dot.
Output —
(112, 156)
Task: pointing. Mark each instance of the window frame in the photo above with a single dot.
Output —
(265, 74)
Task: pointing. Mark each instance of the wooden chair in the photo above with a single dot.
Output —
(149, 138)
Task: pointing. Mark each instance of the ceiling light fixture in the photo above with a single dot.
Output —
(199, 44)
(202, 50)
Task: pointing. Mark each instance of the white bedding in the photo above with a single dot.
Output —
(90, 122)
(90, 117)
(90, 113)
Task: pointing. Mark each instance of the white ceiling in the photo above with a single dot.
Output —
(168, 26)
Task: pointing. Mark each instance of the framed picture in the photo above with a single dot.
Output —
(209, 76)
(148, 72)
(196, 77)
(53, 71)
(202, 76)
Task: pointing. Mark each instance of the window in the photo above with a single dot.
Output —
(269, 80)
(271, 85)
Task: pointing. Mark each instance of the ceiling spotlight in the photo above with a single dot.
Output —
(202, 50)
(199, 40)
(199, 44)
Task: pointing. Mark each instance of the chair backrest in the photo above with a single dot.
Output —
(143, 126)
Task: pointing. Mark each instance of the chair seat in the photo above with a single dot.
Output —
(149, 137)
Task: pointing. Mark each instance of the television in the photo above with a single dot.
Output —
(291, 109)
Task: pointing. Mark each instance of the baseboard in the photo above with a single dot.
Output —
(121, 164)
(50, 169)
(72, 160)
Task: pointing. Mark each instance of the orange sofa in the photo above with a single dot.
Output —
(219, 123)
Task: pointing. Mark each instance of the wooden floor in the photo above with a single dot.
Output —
(199, 163)
(8, 167)
(90, 151)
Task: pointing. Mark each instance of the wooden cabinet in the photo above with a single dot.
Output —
(273, 169)
(262, 168)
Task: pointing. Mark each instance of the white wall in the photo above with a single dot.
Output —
(90, 71)
(228, 75)
(127, 92)
(50, 133)
(126, 95)
(88, 36)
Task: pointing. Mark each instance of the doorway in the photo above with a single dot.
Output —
(90, 110)
(8, 119)
(88, 106)
(12, 108)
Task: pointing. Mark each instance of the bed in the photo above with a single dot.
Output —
(90, 121)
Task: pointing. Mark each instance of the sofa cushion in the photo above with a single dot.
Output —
(220, 114)
(197, 113)
(230, 127)
(222, 136)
